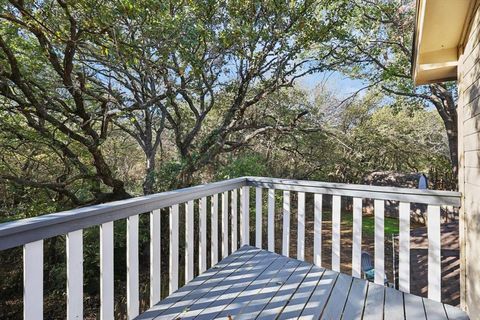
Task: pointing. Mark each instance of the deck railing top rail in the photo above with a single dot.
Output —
(20, 232)
(23, 231)
(433, 197)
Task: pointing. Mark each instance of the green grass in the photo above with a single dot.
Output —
(368, 223)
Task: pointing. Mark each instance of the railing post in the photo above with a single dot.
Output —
(33, 280)
(271, 220)
(74, 242)
(317, 230)
(301, 226)
(357, 238)
(244, 221)
(434, 253)
(106, 271)
(379, 242)
(258, 217)
(404, 247)
(286, 223)
(336, 217)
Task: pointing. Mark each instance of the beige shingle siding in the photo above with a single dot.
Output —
(469, 175)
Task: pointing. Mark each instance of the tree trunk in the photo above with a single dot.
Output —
(452, 136)
(149, 179)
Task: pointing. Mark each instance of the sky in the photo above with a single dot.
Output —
(335, 81)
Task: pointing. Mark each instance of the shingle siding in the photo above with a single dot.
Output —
(469, 174)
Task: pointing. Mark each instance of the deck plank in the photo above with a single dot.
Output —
(223, 268)
(259, 301)
(356, 300)
(241, 293)
(297, 302)
(281, 298)
(454, 313)
(218, 289)
(374, 302)
(433, 311)
(243, 299)
(413, 307)
(393, 304)
(317, 301)
(338, 298)
(253, 283)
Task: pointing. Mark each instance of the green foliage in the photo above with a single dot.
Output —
(245, 165)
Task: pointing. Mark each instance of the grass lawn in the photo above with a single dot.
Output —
(368, 223)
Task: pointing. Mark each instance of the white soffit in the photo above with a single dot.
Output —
(439, 31)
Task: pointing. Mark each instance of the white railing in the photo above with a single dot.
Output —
(30, 234)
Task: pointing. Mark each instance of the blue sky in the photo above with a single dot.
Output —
(336, 81)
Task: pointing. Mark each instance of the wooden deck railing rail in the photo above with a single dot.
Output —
(233, 222)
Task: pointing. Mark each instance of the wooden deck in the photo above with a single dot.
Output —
(257, 284)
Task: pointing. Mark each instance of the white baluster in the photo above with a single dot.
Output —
(404, 247)
(434, 254)
(286, 224)
(234, 210)
(202, 249)
(189, 241)
(214, 226)
(245, 216)
(357, 238)
(173, 284)
(224, 224)
(336, 218)
(106, 271)
(271, 220)
(132, 267)
(155, 254)
(33, 280)
(74, 242)
(317, 230)
(379, 242)
(258, 217)
(301, 227)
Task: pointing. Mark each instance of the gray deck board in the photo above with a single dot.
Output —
(338, 298)
(454, 313)
(315, 304)
(226, 266)
(216, 289)
(374, 302)
(393, 308)
(297, 302)
(257, 284)
(242, 290)
(280, 300)
(261, 299)
(242, 281)
(242, 300)
(414, 307)
(356, 300)
(433, 311)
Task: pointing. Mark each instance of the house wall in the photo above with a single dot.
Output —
(469, 156)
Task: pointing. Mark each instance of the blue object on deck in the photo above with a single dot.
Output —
(368, 268)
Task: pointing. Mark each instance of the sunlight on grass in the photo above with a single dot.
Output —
(368, 223)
